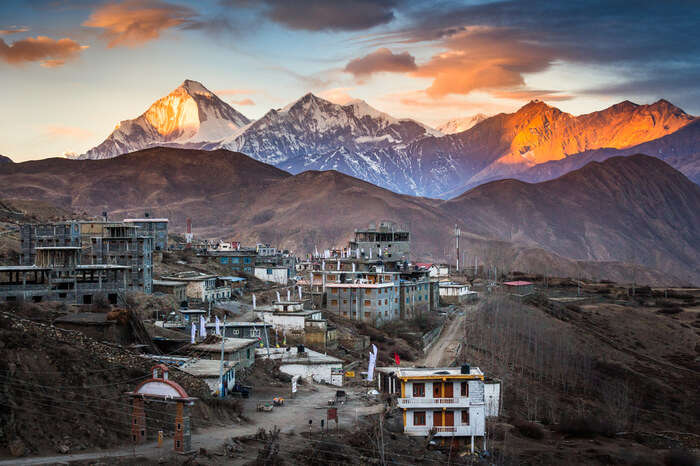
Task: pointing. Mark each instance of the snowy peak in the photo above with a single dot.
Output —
(190, 114)
(458, 125)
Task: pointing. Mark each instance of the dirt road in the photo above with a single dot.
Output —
(293, 417)
(444, 351)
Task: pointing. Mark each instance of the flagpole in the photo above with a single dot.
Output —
(221, 366)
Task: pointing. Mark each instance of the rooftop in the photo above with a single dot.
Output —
(206, 367)
(518, 283)
(189, 276)
(291, 355)
(168, 283)
(417, 372)
(131, 220)
(231, 344)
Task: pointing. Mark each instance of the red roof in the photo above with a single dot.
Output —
(518, 283)
(424, 264)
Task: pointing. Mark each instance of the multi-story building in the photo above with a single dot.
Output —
(240, 261)
(58, 275)
(388, 242)
(155, 227)
(123, 244)
(33, 235)
(265, 250)
(448, 401)
(202, 287)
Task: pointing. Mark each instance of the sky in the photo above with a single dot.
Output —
(71, 70)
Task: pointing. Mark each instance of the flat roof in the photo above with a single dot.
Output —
(518, 283)
(190, 276)
(233, 279)
(168, 283)
(451, 285)
(102, 267)
(206, 367)
(291, 356)
(149, 219)
(231, 344)
(360, 285)
(19, 268)
(437, 372)
(58, 247)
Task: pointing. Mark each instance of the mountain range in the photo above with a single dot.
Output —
(404, 155)
(457, 125)
(594, 221)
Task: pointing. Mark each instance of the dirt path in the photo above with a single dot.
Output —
(444, 351)
(293, 417)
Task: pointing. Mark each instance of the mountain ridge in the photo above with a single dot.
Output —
(555, 225)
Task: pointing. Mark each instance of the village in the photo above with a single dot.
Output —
(355, 338)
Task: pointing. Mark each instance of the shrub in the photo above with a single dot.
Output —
(530, 429)
(586, 426)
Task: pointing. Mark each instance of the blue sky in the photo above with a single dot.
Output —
(71, 70)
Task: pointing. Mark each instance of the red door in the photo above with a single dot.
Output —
(449, 418)
(448, 390)
(437, 390)
(437, 418)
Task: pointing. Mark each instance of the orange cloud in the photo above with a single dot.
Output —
(337, 95)
(72, 132)
(530, 94)
(13, 30)
(381, 60)
(49, 52)
(243, 102)
(132, 23)
(221, 92)
(485, 58)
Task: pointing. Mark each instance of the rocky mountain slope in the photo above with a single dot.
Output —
(189, 114)
(4, 159)
(402, 155)
(605, 214)
(680, 149)
(507, 144)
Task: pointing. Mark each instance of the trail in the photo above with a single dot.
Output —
(444, 351)
(292, 417)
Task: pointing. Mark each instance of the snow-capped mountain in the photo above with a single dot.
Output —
(458, 125)
(315, 134)
(191, 114)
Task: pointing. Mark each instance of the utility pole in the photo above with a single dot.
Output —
(221, 366)
(457, 235)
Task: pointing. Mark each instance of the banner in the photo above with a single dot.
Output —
(202, 327)
(193, 333)
(372, 363)
(294, 383)
(218, 329)
(253, 300)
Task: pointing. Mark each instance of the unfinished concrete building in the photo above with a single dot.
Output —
(58, 275)
(123, 244)
(388, 242)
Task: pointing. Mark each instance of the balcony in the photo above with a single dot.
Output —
(422, 402)
(451, 431)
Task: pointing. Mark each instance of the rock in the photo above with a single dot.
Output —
(162, 460)
(63, 448)
(17, 448)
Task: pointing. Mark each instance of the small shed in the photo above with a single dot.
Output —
(519, 288)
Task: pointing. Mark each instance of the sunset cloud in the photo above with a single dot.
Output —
(50, 52)
(483, 58)
(69, 132)
(245, 101)
(13, 30)
(337, 95)
(319, 15)
(381, 60)
(132, 23)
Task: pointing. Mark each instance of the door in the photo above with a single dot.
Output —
(437, 418)
(437, 390)
(448, 390)
(449, 418)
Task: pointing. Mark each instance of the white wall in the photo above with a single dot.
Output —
(318, 372)
(277, 275)
(492, 398)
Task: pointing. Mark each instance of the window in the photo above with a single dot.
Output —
(464, 389)
(418, 389)
(396, 300)
(368, 302)
(386, 301)
(345, 314)
(366, 315)
(465, 417)
(345, 301)
(334, 290)
(368, 291)
(419, 418)
(269, 271)
(224, 260)
(334, 302)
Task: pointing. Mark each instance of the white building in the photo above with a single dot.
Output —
(272, 273)
(203, 287)
(449, 400)
(456, 293)
(435, 270)
(208, 371)
(307, 364)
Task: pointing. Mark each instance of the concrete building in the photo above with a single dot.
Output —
(241, 350)
(209, 371)
(265, 250)
(519, 288)
(202, 287)
(240, 261)
(47, 235)
(306, 363)
(155, 227)
(388, 241)
(272, 273)
(178, 290)
(293, 324)
(121, 244)
(456, 293)
(449, 400)
(435, 270)
(58, 275)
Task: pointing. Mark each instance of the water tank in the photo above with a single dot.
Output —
(465, 369)
(300, 348)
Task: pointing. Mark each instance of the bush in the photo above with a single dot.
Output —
(586, 426)
(530, 429)
(680, 458)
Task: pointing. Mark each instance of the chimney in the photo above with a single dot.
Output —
(146, 214)
(104, 216)
(465, 369)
